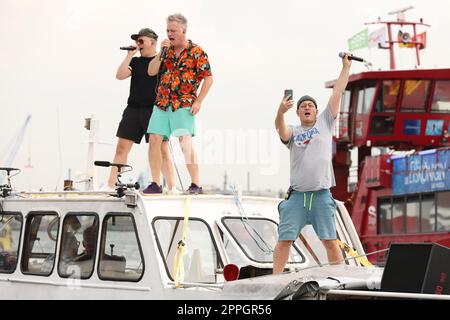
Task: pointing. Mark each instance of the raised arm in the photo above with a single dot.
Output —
(339, 86)
(155, 64)
(124, 71)
(283, 130)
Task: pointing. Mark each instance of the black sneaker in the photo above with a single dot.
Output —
(152, 188)
(194, 189)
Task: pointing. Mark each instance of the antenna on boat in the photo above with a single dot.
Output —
(92, 125)
(5, 189)
(401, 13)
(14, 147)
(416, 41)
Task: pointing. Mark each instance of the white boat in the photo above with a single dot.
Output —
(125, 245)
(136, 245)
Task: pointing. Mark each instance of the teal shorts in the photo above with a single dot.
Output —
(167, 123)
(316, 208)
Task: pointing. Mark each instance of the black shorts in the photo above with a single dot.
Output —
(134, 124)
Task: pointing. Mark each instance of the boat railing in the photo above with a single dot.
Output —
(61, 194)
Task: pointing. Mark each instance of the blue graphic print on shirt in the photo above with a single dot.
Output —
(304, 138)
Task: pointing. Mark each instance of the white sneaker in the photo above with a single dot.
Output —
(173, 192)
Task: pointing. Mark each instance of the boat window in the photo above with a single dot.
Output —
(428, 213)
(387, 98)
(384, 216)
(398, 215)
(200, 258)
(10, 231)
(413, 214)
(345, 101)
(344, 114)
(257, 238)
(120, 251)
(420, 214)
(368, 99)
(441, 97)
(365, 98)
(443, 211)
(41, 234)
(78, 246)
(360, 103)
(382, 125)
(415, 95)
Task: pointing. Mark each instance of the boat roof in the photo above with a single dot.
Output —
(396, 74)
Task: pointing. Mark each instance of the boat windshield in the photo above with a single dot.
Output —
(256, 237)
(10, 227)
(200, 258)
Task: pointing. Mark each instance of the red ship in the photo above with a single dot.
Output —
(398, 122)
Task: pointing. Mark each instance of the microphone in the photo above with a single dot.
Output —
(352, 57)
(129, 48)
(163, 53)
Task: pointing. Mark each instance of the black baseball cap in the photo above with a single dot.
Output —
(145, 32)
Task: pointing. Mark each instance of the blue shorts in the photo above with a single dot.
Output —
(167, 123)
(317, 208)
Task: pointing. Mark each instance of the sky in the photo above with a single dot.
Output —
(59, 58)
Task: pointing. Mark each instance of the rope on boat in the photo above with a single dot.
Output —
(352, 253)
(175, 165)
(178, 261)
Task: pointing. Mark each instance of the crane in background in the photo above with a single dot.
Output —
(14, 147)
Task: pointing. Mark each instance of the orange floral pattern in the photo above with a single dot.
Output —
(181, 77)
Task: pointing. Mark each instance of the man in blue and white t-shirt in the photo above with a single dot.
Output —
(312, 176)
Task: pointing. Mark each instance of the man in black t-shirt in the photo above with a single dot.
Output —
(136, 115)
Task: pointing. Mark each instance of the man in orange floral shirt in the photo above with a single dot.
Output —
(182, 66)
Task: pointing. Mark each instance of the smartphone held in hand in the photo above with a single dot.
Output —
(289, 93)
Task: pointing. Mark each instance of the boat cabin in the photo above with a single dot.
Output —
(401, 108)
(71, 245)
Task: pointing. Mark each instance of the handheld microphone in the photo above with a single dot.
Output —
(163, 53)
(129, 48)
(352, 57)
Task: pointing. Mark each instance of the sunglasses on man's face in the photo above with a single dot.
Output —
(140, 41)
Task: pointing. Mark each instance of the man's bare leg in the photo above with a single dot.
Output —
(281, 255)
(122, 150)
(190, 157)
(334, 253)
(167, 165)
(155, 157)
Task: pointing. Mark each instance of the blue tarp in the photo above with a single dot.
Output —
(426, 171)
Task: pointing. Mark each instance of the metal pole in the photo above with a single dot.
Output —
(391, 47)
(416, 45)
(387, 295)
